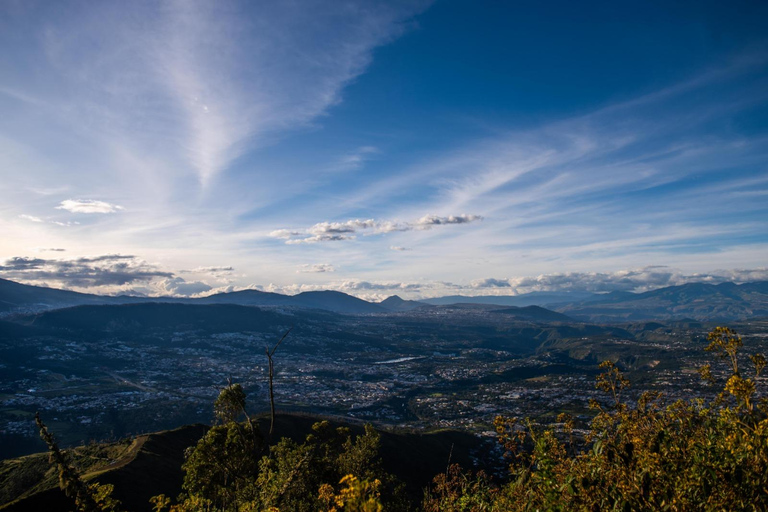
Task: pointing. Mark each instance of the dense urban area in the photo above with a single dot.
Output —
(438, 367)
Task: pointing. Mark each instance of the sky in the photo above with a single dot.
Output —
(404, 147)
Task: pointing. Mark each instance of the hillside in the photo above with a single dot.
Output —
(395, 303)
(534, 314)
(151, 464)
(722, 302)
(149, 316)
(525, 299)
(17, 297)
(21, 298)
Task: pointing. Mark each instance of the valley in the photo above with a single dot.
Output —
(109, 371)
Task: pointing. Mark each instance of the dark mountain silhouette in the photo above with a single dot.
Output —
(148, 316)
(526, 299)
(337, 302)
(21, 298)
(535, 314)
(395, 303)
(698, 301)
(245, 298)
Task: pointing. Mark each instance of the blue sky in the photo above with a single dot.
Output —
(417, 148)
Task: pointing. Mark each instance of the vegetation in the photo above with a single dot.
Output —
(232, 468)
(641, 455)
(92, 497)
(647, 456)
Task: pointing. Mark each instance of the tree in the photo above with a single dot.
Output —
(687, 455)
(92, 497)
(300, 476)
(221, 468)
(231, 470)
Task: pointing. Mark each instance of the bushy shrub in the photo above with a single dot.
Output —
(688, 455)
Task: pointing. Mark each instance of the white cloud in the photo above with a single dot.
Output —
(179, 287)
(316, 268)
(284, 233)
(214, 80)
(153, 110)
(112, 274)
(48, 191)
(398, 248)
(428, 221)
(632, 280)
(108, 271)
(371, 290)
(336, 231)
(214, 271)
(88, 206)
(30, 218)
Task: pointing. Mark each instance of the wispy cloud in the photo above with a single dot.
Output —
(208, 80)
(317, 268)
(139, 104)
(214, 271)
(347, 230)
(30, 218)
(357, 158)
(88, 206)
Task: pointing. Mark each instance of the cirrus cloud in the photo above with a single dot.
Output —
(88, 206)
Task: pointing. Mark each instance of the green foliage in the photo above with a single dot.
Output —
(92, 497)
(650, 456)
(222, 465)
(232, 469)
(290, 478)
(230, 404)
(457, 491)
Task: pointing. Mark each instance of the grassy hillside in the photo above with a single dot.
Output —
(150, 465)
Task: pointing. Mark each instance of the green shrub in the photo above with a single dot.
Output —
(689, 455)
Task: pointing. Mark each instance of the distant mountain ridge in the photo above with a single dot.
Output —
(699, 301)
(395, 303)
(27, 298)
(526, 299)
(328, 300)
(21, 298)
(534, 313)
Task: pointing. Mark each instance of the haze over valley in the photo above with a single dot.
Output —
(105, 367)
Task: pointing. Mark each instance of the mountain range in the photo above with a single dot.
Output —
(726, 302)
